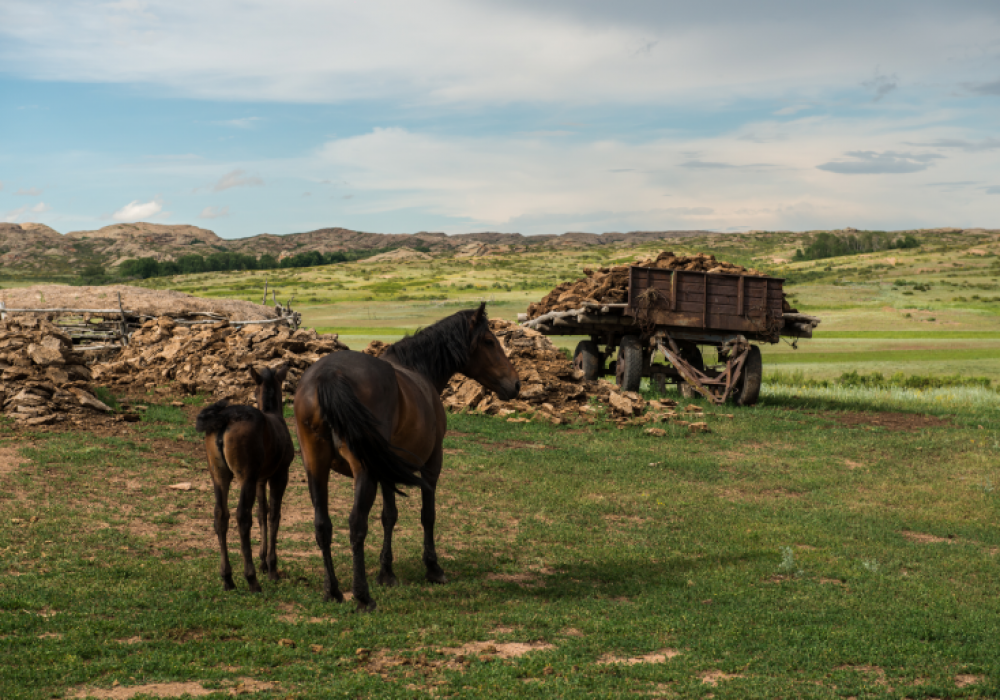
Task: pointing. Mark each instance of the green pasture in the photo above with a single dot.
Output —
(799, 549)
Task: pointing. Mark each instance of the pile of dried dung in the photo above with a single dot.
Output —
(609, 285)
(551, 387)
(44, 380)
(214, 358)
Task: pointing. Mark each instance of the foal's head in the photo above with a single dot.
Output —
(488, 363)
(268, 391)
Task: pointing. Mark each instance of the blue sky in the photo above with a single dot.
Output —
(547, 116)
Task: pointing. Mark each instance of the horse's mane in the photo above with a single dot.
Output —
(442, 349)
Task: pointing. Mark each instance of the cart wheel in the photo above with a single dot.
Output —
(628, 372)
(587, 359)
(692, 355)
(748, 388)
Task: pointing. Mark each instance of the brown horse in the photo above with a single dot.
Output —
(256, 447)
(381, 421)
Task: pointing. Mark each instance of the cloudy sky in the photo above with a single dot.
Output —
(540, 116)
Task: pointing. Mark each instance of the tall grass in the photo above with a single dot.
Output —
(968, 404)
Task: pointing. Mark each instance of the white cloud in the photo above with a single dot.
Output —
(237, 178)
(493, 52)
(881, 85)
(550, 185)
(872, 163)
(242, 123)
(213, 213)
(33, 192)
(137, 211)
(14, 214)
(40, 208)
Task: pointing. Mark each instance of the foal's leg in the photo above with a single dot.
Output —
(262, 523)
(244, 521)
(428, 514)
(317, 455)
(221, 488)
(277, 482)
(364, 496)
(390, 514)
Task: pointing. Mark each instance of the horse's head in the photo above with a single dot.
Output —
(488, 364)
(268, 391)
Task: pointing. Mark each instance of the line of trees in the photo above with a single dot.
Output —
(831, 245)
(145, 268)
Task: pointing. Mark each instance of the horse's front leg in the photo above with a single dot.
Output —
(221, 488)
(262, 523)
(390, 514)
(244, 521)
(364, 496)
(277, 482)
(428, 514)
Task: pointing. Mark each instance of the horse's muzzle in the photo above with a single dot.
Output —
(509, 390)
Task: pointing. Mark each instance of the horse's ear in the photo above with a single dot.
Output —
(478, 315)
(256, 377)
(281, 372)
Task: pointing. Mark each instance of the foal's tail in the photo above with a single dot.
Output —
(214, 419)
(353, 423)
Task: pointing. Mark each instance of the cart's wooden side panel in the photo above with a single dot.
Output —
(703, 300)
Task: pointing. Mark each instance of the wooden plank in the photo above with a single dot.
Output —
(714, 321)
(739, 296)
(755, 297)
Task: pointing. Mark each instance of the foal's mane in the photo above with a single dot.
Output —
(441, 349)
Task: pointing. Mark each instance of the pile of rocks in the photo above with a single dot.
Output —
(609, 285)
(552, 388)
(44, 380)
(212, 358)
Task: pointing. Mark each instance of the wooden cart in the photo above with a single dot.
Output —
(673, 313)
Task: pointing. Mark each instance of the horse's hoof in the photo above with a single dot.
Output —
(389, 580)
(227, 583)
(335, 596)
(272, 575)
(437, 577)
(366, 607)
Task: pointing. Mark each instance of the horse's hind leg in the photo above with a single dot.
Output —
(244, 521)
(221, 488)
(428, 515)
(390, 514)
(317, 456)
(277, 482)
(262, 523)
(364, 497)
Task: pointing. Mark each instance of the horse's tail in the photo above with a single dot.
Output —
(214, 419)
(352, 422)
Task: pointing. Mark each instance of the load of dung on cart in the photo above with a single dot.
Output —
(673, 313)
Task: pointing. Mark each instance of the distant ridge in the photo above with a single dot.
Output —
(38, 249)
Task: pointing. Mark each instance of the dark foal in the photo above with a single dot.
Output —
(381, 421)
(254, 445)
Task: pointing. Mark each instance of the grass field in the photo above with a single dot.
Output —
(831, 542)
(803, 548)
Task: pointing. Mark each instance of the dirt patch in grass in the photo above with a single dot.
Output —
(924, 538)
(902, 422)
(500, 650)
(656, 657)
(965, 679)
(525, 580)
(10, 461)
(173, 690)
(713, 677)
